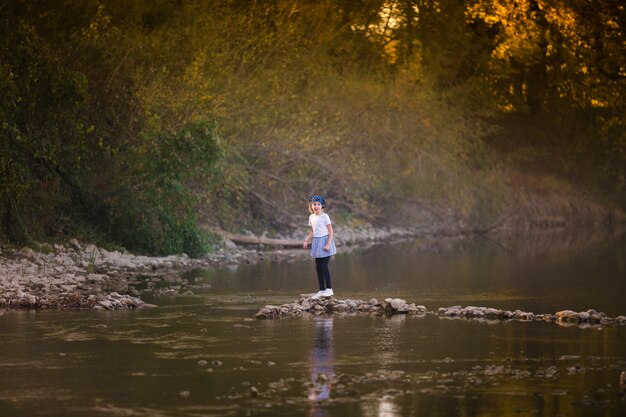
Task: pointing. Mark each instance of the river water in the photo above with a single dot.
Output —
(203, 355)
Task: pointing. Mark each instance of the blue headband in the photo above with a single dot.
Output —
(317, 199)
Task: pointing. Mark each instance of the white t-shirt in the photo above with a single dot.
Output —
(319, 224)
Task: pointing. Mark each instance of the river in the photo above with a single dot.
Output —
(203, 355)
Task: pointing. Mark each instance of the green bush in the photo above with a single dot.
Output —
(153, 208)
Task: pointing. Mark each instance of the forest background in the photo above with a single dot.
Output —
(140, 123)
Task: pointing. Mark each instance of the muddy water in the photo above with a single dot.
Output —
(202, 355)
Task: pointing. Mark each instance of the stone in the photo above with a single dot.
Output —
(492, 313)
(397, 303)
(75, 245)
(229, 244)
(404, 308)
(340, 308)
(584, 316)
(567, 316)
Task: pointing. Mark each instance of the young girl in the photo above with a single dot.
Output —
(323, 245)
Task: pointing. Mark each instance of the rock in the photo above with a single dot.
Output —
(492, 313)
(596, 317)
(397, 303)
(30, 299)
(404, 308)
(75, 245)
(229, 244)
(340, 308)
(551, 372)
(584, 316)
(567, 316)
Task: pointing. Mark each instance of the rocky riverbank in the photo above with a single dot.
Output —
(83, 276)
(391, 306)
(78, 275)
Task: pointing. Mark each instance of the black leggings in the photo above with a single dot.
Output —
(323, 273)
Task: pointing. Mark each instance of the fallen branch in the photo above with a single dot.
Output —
(251, 239)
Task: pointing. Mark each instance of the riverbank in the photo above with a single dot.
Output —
(83, 276)
(79, 275)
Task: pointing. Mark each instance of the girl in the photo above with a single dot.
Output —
(323, 245)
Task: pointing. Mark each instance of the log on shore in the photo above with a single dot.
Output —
(257, 240)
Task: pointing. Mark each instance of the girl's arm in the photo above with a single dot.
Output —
(307, 238)
(330, 237)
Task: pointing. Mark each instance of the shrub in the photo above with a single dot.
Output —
(153, 208)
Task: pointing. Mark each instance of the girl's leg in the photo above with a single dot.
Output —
(325, 272)
(319, 268)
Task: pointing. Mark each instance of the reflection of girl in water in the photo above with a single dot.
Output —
(322, 359)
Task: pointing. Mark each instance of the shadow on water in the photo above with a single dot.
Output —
(203, 355)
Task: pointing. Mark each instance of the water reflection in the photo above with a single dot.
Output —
(321, 360)
(387, 340)
(385, 406)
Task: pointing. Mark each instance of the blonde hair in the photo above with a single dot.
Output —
(311, 206)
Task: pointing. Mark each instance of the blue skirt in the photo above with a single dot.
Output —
(317, 247)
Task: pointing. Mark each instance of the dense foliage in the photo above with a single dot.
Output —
(79, 154)
(109, 110)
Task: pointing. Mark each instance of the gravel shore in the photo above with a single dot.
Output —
(82, 276)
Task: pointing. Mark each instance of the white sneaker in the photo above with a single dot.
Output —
(327, 292)
(317, 295)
